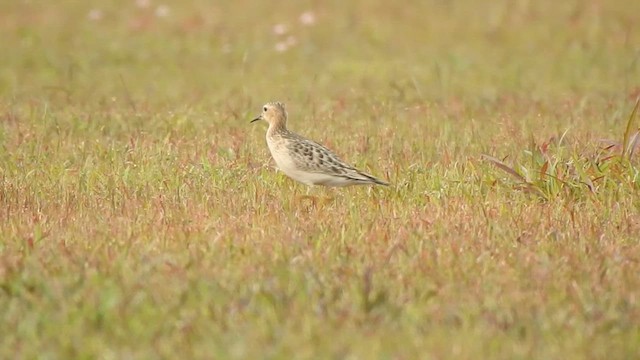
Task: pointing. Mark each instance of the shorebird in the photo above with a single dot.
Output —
(305, 160)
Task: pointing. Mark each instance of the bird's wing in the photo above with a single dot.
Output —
(313, 157)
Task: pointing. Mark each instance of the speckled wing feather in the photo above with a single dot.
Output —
(313, 157)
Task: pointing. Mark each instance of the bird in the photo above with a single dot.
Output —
(305, 160)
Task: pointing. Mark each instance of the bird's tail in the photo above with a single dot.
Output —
(369, 179)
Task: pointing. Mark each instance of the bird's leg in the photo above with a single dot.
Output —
(330, 196)
(311, 198)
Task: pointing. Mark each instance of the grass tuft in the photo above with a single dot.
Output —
(141, 216)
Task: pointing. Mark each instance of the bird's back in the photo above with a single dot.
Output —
(312, 163)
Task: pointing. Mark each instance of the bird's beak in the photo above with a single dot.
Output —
(256, 119)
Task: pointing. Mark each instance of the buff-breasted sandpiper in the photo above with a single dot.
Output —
(305, 160)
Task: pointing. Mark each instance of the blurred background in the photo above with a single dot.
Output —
(240, 54)
(140, 215)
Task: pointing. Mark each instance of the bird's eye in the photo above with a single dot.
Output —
(264, 109)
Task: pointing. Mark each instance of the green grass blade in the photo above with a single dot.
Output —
(627, 131)
(502, 166)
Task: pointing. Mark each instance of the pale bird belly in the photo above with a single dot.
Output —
(310, 178)
(286, 164)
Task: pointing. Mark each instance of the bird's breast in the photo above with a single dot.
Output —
(280, 154)
(285, 160)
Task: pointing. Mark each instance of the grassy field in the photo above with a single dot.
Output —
(141, 216)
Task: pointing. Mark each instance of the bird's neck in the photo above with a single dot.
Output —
(276, 129)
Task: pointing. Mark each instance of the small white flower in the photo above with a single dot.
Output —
(291, 40)
(308, 18)
(162, 11)
(95, 14)
(143, 4)
(281, 46)
(280, 29)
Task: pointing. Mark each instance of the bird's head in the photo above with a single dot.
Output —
(273, 113)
